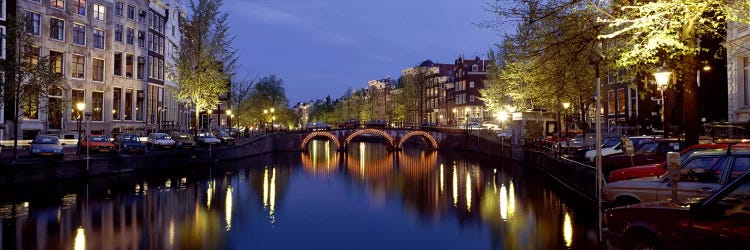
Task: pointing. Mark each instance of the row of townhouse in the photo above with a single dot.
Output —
(449, 93)
(115, 56)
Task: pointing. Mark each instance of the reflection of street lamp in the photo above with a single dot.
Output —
(662, 79)
(80, 107)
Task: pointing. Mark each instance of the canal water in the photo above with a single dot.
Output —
(365, 198)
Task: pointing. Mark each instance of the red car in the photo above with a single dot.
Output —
(98, 144)
(657, 169)
(646, 153)
(717, 222)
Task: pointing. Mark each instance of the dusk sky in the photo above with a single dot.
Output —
(323, 47)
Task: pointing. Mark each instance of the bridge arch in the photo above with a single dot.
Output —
(312, 135)
(429, 139)
(359, 132)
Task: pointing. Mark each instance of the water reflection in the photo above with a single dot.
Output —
(370, 198)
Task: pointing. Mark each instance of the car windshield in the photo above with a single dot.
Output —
(163, 137)
(610, 142)
(99, 138)
(129, 138)
(647, 148)
(45, 140)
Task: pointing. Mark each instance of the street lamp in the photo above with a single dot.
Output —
(229, 113)
(662, 79)
(595, 58)
(208, 119)
(501, 116)
(566, 105)
(80, 107)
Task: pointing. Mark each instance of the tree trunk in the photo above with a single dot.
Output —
(690, 100)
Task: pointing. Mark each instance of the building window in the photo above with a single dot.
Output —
(471, 98)
(57, 29)
(77, 66)
(611, 105)
(98, 67)
(31, 55)
(2, 45)
(56, 61)
(116, 99)
(141, 38)
(33, 23)
(54, 115)
(474, 68)
(117, 64)
(79, 6)
(76, 96)
(98, 39)
(128, 104)
(30, 104)
(129, 66)
(139, 106)
(79, 34)
(100, 12)
(621, 104)
(471, 85)
(118, 32)
(141, 67)
(97, 101)
(60, 4)
(160, 69)
(141, 16)
(118, 8)
(131, 12)
(129, 35)
(746, 81)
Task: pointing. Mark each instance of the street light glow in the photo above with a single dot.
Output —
(566, 105)
(80, 106)
(662, 77)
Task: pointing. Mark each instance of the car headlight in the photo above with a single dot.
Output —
(35, 150)
(57, 150)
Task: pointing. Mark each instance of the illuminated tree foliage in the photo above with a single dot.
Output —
(206, 62)
(545, 61)
(667, 32)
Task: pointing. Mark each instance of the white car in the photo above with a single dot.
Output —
(470, 125)
(206, 139)
(160, 140)
(611, 145)
(701, 174)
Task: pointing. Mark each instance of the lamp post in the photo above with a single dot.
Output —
(662, 79)
(229, 114)
(80, 107)
(88, 134)
(501, 116)
(208, 119)
(453, 120)
(566, 105)
(595, 58)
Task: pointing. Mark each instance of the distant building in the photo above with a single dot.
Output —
(738, 72)
(463, 94)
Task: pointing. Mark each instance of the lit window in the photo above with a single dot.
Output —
(56, 61)
(97, 101)
(79, 7)
(98, 67)
(77, 66)
(60, 4)
(100, 12)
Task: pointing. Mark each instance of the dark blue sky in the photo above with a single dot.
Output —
(323, 47)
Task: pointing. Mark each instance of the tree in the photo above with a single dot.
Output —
(206, 61)
(28, 78)
(268, 92)
(241, 89)
(666, 33)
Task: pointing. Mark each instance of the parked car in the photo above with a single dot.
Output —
(701, 174)
(470, 126)
(376, 124)
(129, 143)
(659, 168)
(505, 135)
(225, 138)
(160, 141)
(182, 140)
(351, 123)
(647, 153)
(717, 222)
(206, 139)
(611, 145)
(47, 146)
(317, 126)
(98, 144)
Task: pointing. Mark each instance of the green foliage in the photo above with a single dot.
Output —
(206, 62)
(268, 92)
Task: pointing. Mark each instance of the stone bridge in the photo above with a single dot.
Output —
(394, 138)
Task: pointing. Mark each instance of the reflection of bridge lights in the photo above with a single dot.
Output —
(442, 180)
(567, 230)
(265, 187)
(362, 159)
(228, 208)
(468, 192)
(455, 187)
(503, 202)
(210, 193)
(80, 241)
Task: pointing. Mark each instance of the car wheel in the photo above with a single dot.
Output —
(642, 241)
